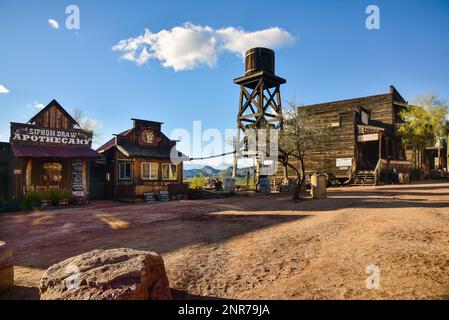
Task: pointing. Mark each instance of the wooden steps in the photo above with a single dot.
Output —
(364, 178)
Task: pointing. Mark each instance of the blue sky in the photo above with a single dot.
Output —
(333, 57)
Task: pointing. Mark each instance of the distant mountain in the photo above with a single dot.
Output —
(208, 171)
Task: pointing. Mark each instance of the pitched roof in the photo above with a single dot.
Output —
(132, 150)
(111, 143)
(57, 105)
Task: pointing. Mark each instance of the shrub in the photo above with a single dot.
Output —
(34, 198)
(335, 183)
(56, 195)
(30, 199)
(197, 182)
(64, 194)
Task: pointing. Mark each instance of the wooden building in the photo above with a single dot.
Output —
(50, 151)
(141, 160)
(355, 139)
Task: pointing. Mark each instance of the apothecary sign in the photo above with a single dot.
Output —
(30, 134)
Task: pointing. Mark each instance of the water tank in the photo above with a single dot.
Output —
(259, 59)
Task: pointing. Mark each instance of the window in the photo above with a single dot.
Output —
(52, 174)
(169, 171)
(364, 117)
(124, 170)
(149, 171)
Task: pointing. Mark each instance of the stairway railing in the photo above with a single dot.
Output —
(377, 172)
(352, 172)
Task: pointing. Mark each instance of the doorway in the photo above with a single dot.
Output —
(4, 181)
(100, 182)
(368, 155)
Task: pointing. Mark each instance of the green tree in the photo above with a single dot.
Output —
(425, 122)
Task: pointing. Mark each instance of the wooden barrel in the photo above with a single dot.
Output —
(6, 267)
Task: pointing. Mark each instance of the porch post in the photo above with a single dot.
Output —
(380, 145)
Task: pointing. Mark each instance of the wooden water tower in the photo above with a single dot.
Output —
(260, 100)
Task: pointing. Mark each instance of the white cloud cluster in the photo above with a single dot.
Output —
(188, 46)
(53, 23)
(36, 105)
(3, 89)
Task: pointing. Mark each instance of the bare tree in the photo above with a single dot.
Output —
(86, 123)
(296, 137)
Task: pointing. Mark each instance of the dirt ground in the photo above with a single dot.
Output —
(259, 246)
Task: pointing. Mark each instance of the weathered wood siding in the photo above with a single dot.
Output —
(333, 142)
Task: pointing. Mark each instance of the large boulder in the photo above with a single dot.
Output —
(115, 274)
(6, 267)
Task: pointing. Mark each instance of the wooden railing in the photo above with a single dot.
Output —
(352, 172)
(377, 172)
(384, 164)
(394, 164)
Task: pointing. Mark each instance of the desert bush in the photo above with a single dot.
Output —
(197, 182)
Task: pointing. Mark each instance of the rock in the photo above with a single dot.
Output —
(115, 274)
(6, 267)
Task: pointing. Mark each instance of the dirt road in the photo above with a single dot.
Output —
(260, 246)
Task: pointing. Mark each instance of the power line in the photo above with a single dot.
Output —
(215, 156)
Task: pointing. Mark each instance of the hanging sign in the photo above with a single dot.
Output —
(368, 137)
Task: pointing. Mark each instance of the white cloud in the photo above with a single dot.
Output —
(188, 46)
(3, 89)
(36, 105)
(53, 23)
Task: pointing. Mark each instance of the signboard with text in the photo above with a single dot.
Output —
(77, 178)
(368, 137)
(31, 134)
(343, 162)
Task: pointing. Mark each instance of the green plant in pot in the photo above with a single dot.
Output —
(46, 197)
(53, 194)
(63, 197)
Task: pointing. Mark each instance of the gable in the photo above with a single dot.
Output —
(54, 116)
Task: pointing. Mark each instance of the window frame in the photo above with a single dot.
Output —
(151, 164)
(169, 166)
(120, 163)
